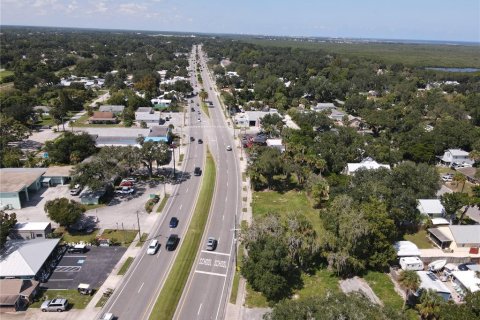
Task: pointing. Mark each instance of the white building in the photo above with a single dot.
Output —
(431, 207)
(252, 118)
(324, 106)
(467, 281)
(367, 163)
(406, 249)
(275, 143)
(456, 156)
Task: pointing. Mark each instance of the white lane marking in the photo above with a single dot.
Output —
(59, 280)
(223, 216)
(141, 287)
(186, 190)
(180, 208)
(158, 253)
(214, 252)
(226, 199)
(211, 273)
(199, 308)
(74, 256)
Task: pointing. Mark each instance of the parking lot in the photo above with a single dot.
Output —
(92, 267)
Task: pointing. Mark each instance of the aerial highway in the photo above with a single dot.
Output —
(207, 291)
(137, 293)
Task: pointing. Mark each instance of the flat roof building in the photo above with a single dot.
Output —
(16, 184)
(31, 230)
(429, 281)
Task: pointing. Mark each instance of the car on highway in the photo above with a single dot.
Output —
(192, 109)
(199, 120)
(153, 247)
(58, 305)
(229, 148)
(192, 139)
(197, 171)
(200, 141)
(172, 242)
(173, 222)
(211, 244)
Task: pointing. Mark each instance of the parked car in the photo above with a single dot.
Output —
(58, 305)
(229, 148)
(197, 171)
(78, 248)
(172, 242)
(447, 177)
(211, 244)
(173, 222)
(126, 183)
(153, 247)
(85, 289)
(125, 190)
(75, 191)
(130, 179)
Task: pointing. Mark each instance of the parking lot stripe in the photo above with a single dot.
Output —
(211, 273)
(220, 253)
(74, 256)
(60, 280)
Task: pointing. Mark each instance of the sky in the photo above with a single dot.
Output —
(442, 20)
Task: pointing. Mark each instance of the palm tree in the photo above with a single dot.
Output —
(203, 95)
(409, 280)
(430, 304)
(459, 177)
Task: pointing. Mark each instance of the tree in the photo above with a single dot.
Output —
(332, 306)
(151, 152)
(269, 269)
(409, 280)
(203, 95)
(459, 178)
(452, 202)
(430, 305)
(7, 223)
(70, 148)
(63, 211)
(128, 116)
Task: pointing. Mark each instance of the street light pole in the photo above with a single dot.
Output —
(173, 150)
(138, 222)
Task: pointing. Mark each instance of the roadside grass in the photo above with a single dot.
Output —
(318, 284)
(236, 277)
(205, 109)
(124, 237)
(383, 287)
(102, 301)
(180, 158)
(169, 297)
(420, 239)
(265, 202)
(163, 203)
(71, 236)
(125, 266)
(142, 240)
(254, 299)
(75, 299)
(94, 206)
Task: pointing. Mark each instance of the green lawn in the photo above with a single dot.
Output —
(102, 301)
(318, 284)
(75, 299)
(143, 238)
(236, 277)
(254, 299)
(282, 203)
(75, 236)
(420, 239)
(205, 109)
(125, 266)
(383, 287)
(5, 73)
(125, 237)
(163, 203)
(167, 301)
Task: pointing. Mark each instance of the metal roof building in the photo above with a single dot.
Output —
(466, 235)
(429, 281)
(23, 259)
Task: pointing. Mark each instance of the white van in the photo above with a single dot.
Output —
(411, 263)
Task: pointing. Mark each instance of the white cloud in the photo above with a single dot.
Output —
(131, 8)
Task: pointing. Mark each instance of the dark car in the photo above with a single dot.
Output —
(173, 222)
(197, 171)
(200, 141)
(192, 139)
(211, 243)
(192, 109)
(172, 242)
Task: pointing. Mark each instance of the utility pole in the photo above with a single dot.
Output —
(173, 152)
(138, 222)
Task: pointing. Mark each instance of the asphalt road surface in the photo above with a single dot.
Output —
(138, 292)
(208, 288)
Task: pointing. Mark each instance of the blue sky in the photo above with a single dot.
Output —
(457, 20)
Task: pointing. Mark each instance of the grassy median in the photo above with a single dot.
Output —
(173, 288)
(205, 109)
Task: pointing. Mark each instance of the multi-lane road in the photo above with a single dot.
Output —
(207, 290)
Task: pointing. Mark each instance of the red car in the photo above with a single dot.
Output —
(126, 184)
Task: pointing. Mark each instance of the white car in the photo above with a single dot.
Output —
(229, 148)
(153, 247)
(126, 190)
(447, 178)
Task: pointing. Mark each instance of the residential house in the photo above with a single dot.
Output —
(431, 207)
(100, 117)
(367, 163)
(42, 109)
(16, 294)
(161, 103)
(429, 281)
(456, 237)
(159, 134)
(456, 157)
(115, 109)
(466, 281)
(337, 115)
(275, 143)
(147, 115)
(31, 230)
(355, 122)
(324, 106)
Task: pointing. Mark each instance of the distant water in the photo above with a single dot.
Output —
(453, 69)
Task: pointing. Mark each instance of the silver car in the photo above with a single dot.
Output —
(58, 305)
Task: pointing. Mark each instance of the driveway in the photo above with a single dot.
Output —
(359, 285)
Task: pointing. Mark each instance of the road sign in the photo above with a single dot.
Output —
(45, 155)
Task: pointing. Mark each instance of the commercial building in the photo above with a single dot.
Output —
(31, 230)
(102, 118)
(56, 175)
(17, 184)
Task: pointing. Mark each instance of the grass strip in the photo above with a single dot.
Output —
(125, 266)
(143, 238)
(236, 277)
(163, 203)
(205, 109)
(75, 299)
(173, 288)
